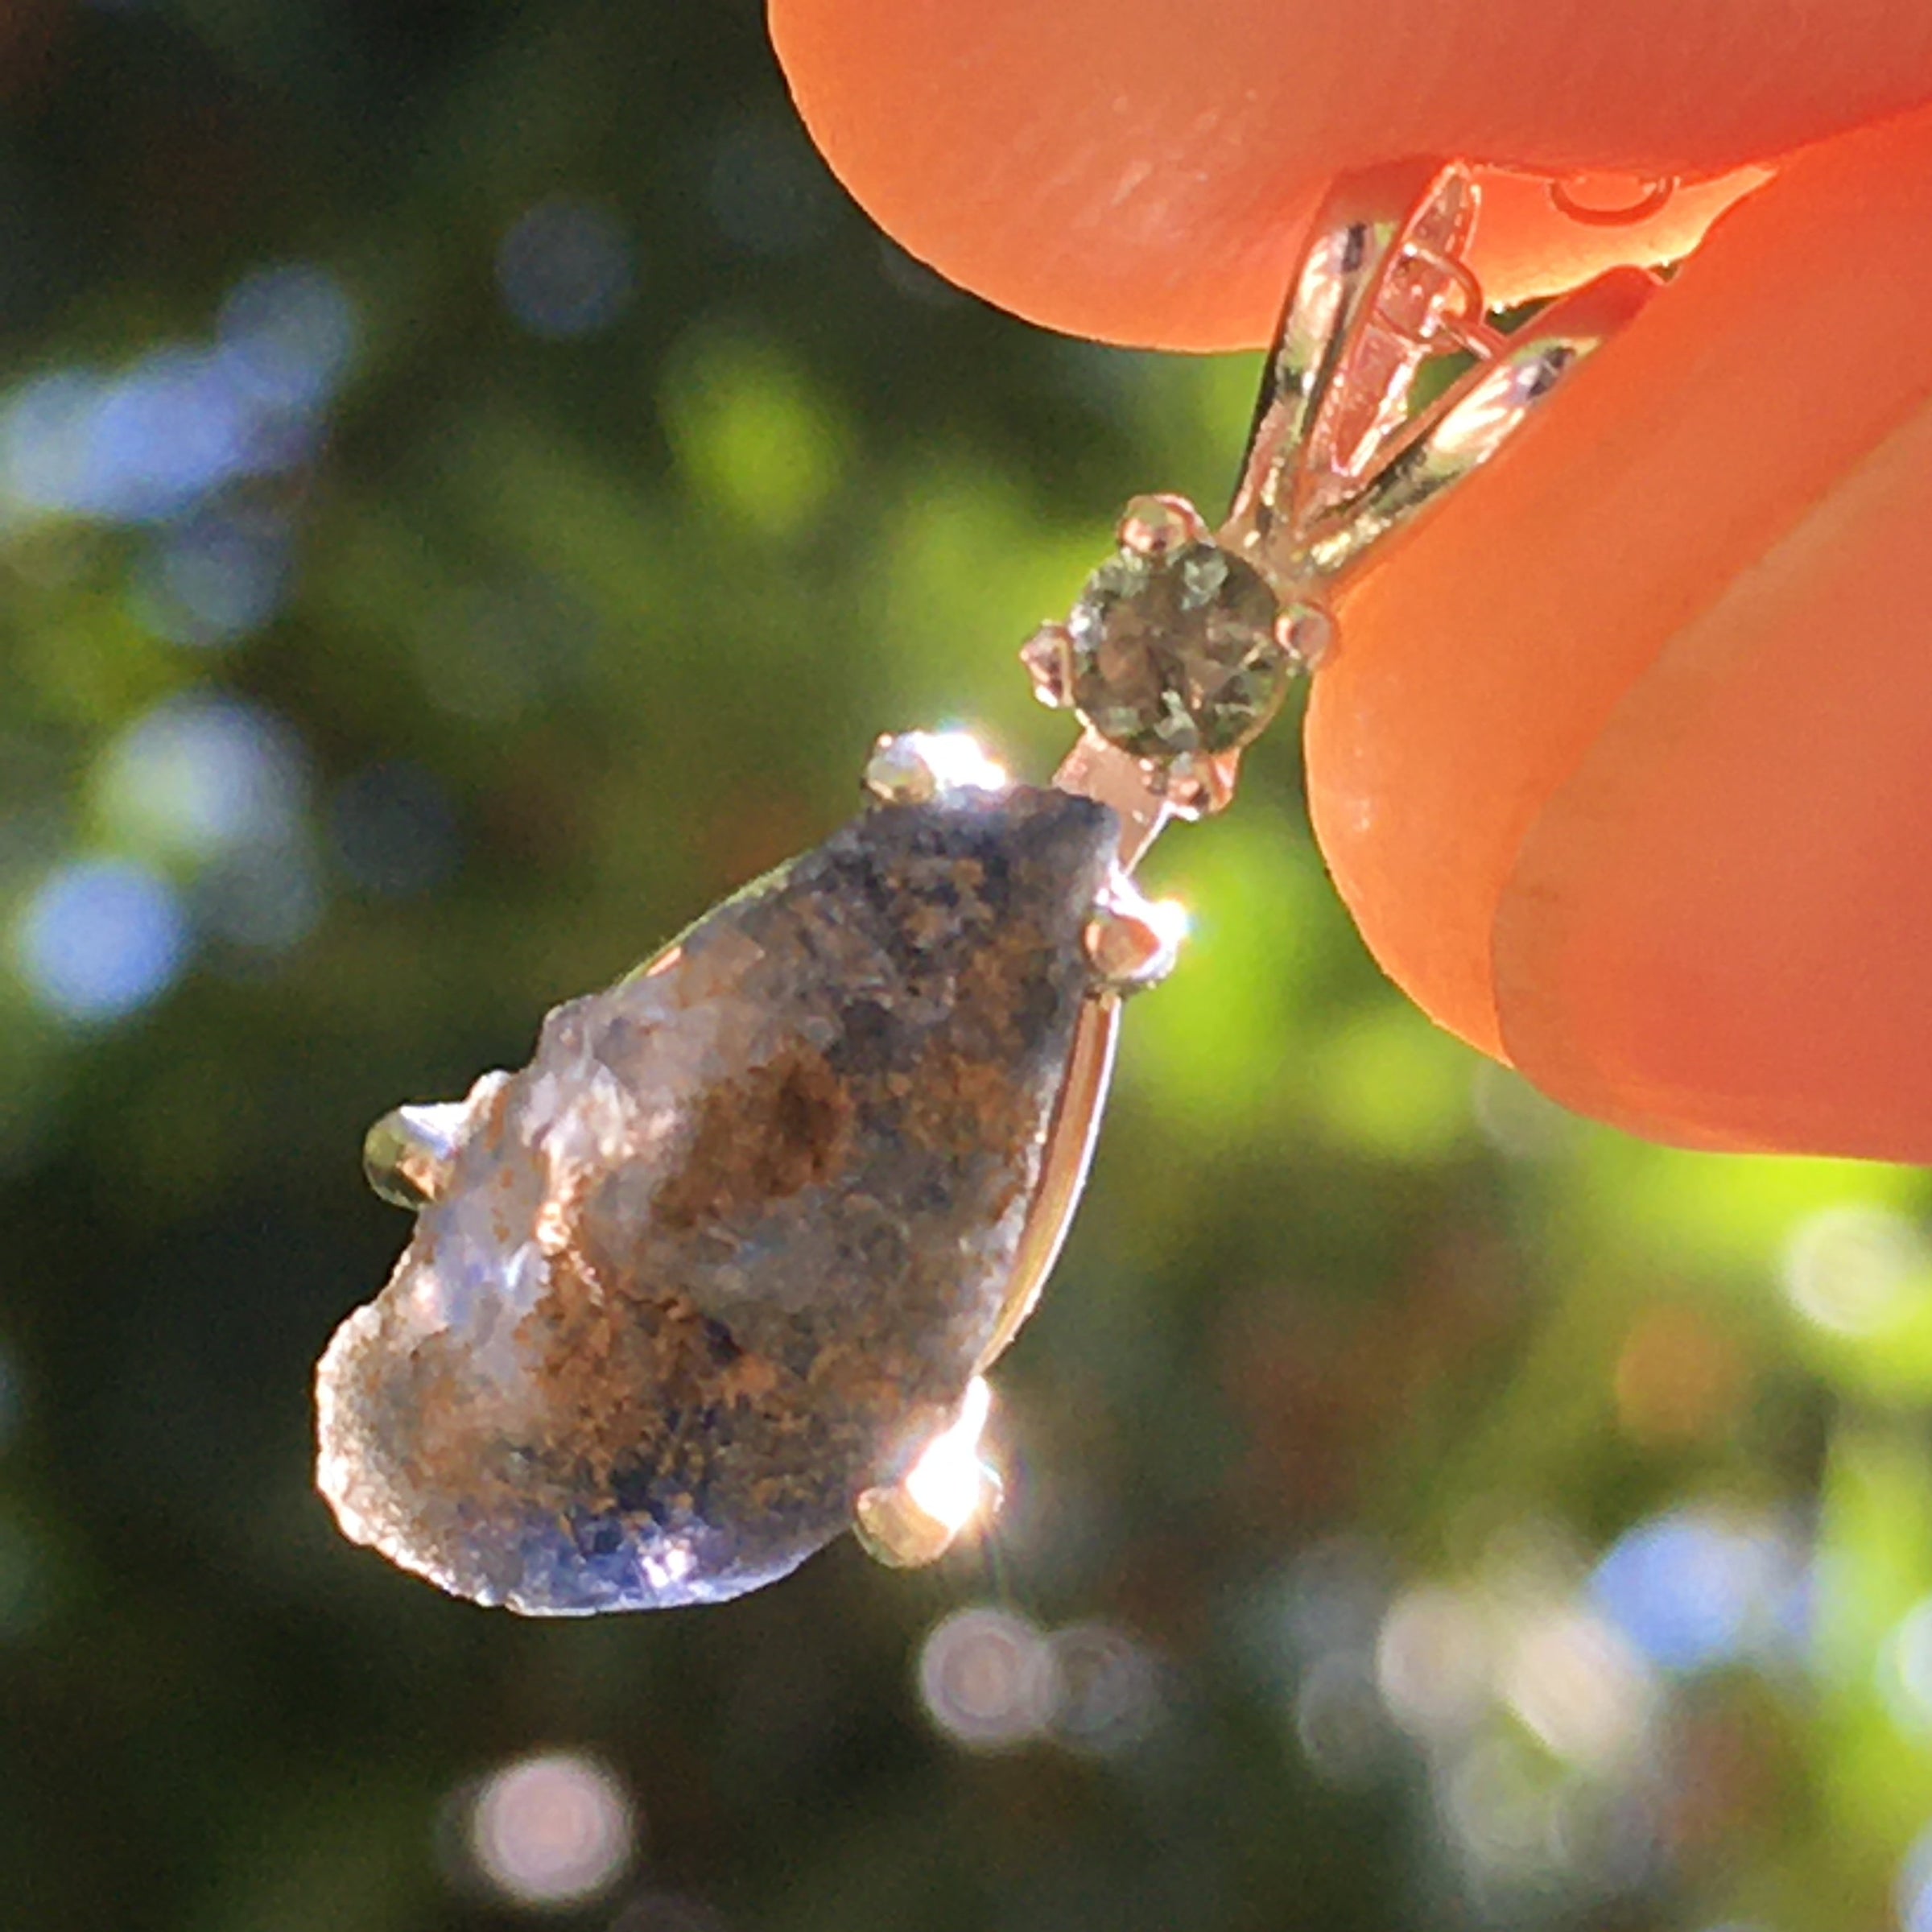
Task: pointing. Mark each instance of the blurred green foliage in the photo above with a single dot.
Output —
(470, 490)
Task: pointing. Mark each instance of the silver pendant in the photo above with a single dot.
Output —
(719, 1273)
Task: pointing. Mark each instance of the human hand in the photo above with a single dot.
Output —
(1625, 766)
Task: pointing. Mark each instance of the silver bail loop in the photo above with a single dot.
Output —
(1341, 455)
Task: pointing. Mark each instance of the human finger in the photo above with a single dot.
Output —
(1137, 172)
(1622, 766)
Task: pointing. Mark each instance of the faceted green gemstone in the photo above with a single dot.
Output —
(1176, 654)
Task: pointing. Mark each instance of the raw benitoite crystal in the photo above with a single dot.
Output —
(727, 1252)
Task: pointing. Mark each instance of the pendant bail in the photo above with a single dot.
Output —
(1178, 648)
(1342, 453)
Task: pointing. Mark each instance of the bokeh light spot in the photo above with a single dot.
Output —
(394, 830)
(755, 437)
(1106, 1689)
(1339, 1721)
(1578, 1685)
(666, 1912)
(201, 776)
(213, 581)
(162, 436)
(1905, 1669)
(769, 194)
(1691, 1589)
(101, 938)
(264, 900)
(1435, 1661)
(288, 334)
(1856, 1270)
(1914, 1889)
(153, 441)
(1500, 1804)
(986, 1677)
(567, 268)
(552, 1830)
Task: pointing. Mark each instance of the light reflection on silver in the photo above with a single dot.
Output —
(1342, 454)
(914, 767)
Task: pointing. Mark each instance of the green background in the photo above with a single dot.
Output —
(1482, 1519)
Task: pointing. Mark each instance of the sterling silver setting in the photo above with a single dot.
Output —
(1178, 654)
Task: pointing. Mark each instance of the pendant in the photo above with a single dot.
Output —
(718, 1274)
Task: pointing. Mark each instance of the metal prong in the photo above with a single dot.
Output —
(1158, 526)
(1048, 657)
(913, 767)
(1198, 785)
(915, 1521)
(1132, 942)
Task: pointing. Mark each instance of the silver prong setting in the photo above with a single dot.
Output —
(1132, 942)
(915, 767)
(915, 1521)
(1200, 784)
(408, 1154)
(1047, 656)
(1306, 632)
(1158, 526)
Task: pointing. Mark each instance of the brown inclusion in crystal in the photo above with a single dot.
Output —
(726, 1251)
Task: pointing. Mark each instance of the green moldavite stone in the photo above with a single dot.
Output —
(1176, 655)
(726, 1251)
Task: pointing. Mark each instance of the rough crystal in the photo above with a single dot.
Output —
(726, 1253)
